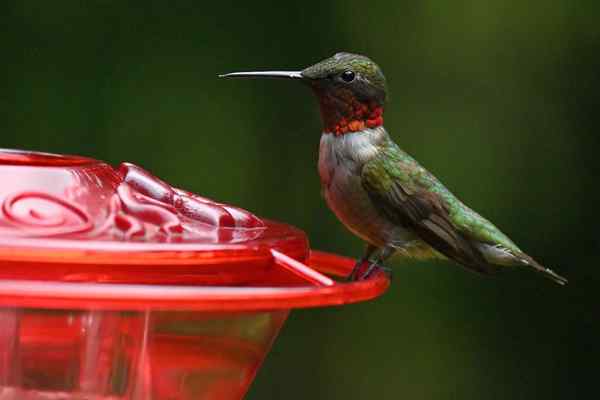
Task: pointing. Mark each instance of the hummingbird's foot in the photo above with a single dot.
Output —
(360, 263)
(356, 270)
(373, 267)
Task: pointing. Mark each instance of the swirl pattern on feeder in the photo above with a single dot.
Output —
(127, 204)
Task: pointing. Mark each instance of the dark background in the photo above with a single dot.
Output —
(498, 98)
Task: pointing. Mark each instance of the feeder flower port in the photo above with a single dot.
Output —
(114, 285)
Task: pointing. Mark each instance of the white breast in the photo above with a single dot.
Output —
(341, 159)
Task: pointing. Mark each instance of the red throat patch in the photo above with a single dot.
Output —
(344, 113)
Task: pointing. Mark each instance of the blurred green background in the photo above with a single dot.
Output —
(498, 98)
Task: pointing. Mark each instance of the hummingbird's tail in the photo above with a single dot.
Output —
(547, 272)
(497, 256)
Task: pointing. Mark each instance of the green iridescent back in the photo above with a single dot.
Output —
(395, 165)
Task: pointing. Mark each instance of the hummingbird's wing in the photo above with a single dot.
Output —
(394, 182)
(410, 196)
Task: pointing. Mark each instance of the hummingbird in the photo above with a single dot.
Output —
(381, 193)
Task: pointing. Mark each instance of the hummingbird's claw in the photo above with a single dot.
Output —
(375, 267)
(372, 267)
(366, 258)
(356, 270)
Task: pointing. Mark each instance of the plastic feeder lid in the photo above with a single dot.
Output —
(77, 233)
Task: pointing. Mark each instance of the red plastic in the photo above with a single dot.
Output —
(131, 289)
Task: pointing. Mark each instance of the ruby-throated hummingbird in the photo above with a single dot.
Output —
(380, 192)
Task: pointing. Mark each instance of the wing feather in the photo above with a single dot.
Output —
(420, 210)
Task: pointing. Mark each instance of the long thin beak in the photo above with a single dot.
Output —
(265, 74)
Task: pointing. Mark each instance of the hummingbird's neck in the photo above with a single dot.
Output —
(345, 113)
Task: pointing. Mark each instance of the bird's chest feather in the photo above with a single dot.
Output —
(341, 159)
(347, 153)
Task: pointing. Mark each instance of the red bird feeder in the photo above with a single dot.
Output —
(114, 285)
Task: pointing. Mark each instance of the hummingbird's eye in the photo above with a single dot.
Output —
(348, 76)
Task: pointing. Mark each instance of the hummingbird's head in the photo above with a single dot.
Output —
(350, 87)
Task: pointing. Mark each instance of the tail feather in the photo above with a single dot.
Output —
(497, 256)
(547, 272)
